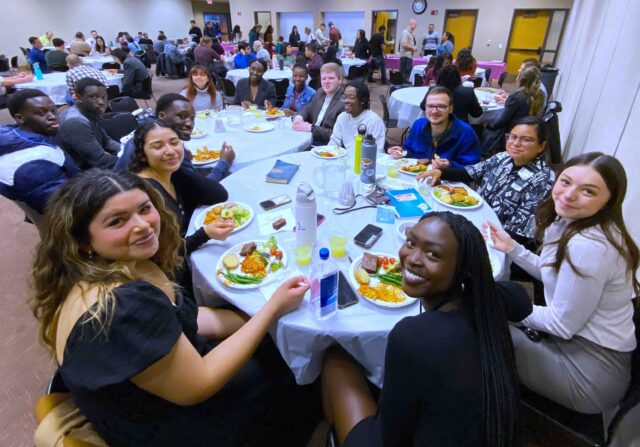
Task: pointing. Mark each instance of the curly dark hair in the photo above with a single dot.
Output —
(138, 158)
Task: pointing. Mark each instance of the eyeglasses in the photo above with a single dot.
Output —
(438, 107)
(511, 138)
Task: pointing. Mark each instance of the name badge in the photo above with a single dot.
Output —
(516, 186)
(525, 174)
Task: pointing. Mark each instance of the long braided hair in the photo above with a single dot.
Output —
(473, 281)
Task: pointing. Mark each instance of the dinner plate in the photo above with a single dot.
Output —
(323, 151)
(202, 134)
(409, 162)
(203, 214)
(401, 228)
(204, 114)
(278, 113)
(259, 127)
(270, 277)
(204, 162)
(356, 263)
(470, 191)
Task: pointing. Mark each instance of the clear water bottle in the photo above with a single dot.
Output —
(37, 71)
(324, 287)
(305, 211)
(368, 160)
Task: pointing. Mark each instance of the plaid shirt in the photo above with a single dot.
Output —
(83, 71)
(512, 192)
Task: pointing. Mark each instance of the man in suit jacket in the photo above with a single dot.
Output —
(319, 116)
(266, 90)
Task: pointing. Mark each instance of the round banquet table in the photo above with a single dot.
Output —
(54, 85)
(239, 73)
(350, 62)
(97, 61)
(419, 69)
(250, 147)
(404, 105)
(392, 61)
(362, 329)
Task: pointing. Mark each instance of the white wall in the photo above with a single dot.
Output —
(64, 17)
(599, 88)
(492, 29)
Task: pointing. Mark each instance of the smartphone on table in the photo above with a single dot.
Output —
(368, 236)
(275, 202)
(347, 296)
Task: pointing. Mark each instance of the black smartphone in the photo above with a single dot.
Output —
(346, 295)
(368, 236)
(275, 202)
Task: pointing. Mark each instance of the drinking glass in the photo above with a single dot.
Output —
(330, 177)
(392, 168)
(338, 244)
(302, 254)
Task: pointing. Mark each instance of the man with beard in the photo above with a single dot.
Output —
(178, 112)
(32, 167)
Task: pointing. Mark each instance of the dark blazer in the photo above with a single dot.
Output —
(294, 39)
(465, 103)
(322, 132)
(266, 90)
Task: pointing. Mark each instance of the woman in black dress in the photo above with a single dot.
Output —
(125, 338)
(294, 37)
(450, 376)
(361, 48)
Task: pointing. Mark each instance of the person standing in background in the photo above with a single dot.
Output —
(294, 37)
(430, 41)
(334, 35)
(236, 34)
(407, 49)
(376, 44)
(195, 32)
(319, 35)
(446, 44)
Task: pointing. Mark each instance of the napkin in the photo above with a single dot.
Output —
(266, 220)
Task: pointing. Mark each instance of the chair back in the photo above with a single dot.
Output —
(315, 83)
(395, 78)
(418, 80)
(123, 104)
(147, 89)
(554, 147)
(487, 75)
(385, 110)
(14, 62)
(501, 79)
(477, 81)
(228, 88)
(34, 216)
(110, 66)
(548, 78)
(118, 124)
(281, 86)
(24, 51)
(353, 73)
(363, 70)
(112, 92)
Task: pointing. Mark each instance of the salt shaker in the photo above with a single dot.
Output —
(347, 194)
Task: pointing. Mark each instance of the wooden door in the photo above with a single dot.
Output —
(462, 24)
(528, 32)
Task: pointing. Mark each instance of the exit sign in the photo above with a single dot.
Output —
(434, 12)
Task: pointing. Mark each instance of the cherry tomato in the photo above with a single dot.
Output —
(392, 261)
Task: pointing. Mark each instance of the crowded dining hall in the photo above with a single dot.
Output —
(390, 223)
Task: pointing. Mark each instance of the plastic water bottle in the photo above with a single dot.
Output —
(368, 163)
(274, 62)
(305, 210)
(37, 71)
(324, 287)
(357, 153)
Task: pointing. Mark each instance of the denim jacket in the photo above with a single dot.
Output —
(304, 98)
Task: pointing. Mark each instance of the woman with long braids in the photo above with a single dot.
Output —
(588, 264)
(450, 376)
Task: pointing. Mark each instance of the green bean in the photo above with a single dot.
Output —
(239, 279)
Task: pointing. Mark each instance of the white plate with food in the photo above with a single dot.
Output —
(378, 279)
(328, 152)
(410, 166)
(457, 197)
(274, 113)
(251, 264)
(204, 114)
(198, 133)
(259, 127)
(239, 213)
(204, 155)
(401, 228)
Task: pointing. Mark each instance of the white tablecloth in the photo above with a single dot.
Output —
(361, 329)
(404, 105)
(251, 147)
(350, 61)
(419, 69)
(240, 73)
(97, 61)
(55, 85)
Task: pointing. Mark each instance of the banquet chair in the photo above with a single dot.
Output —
(118, 124)
(24, 51)
(487, 75)
(554, 147)
(112, 92)
(147, 89)
(14, 63)
(418, 80)
(33, 215)
(315, 83)
(123, 104)
(388, 122)
(616, 426)
(503, 76)
(281, 86)
(228, 91)
(396, 82)
(477, 81)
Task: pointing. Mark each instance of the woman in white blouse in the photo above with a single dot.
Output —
(587, 264)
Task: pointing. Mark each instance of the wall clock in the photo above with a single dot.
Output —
(419, 6)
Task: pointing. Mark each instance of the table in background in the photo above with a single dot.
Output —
(361, 329)
(497, 68)
(241, 73)
(228, 46)
(54, 85)
(97, 61)
(350, 62)
(392, 61)
(404, 105)
(419, 69)
(250, 147)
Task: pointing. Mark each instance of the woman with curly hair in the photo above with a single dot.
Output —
(129, 345)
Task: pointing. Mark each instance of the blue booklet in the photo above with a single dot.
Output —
(282, 172)
(408, 203)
